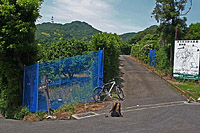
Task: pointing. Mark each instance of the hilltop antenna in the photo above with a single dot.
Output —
(52, 21)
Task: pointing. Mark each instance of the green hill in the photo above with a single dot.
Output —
(49, 32)
(139, 35)
(127, 36)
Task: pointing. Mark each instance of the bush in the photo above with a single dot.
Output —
(23, 112)
(125, 49)
(111, 44)
(64, 48)
(141, 48)
(67, 107)
(17, 48)
(162, 59)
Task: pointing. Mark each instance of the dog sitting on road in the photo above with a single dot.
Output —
(116, 109)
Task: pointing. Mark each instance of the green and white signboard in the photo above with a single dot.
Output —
(186, 59)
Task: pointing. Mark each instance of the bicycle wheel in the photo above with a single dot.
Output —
(120, 93)
(97, 94)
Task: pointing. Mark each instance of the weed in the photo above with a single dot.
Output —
(70, 113)
(114, 95)
(191, 89)
(67, 107)
(40, 115)
(19, 115)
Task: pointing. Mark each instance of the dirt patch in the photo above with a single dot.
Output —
(67, 115)
(1, 116)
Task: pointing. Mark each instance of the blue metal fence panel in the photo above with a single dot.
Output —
(73, 80)
(101, 62)
(152, 57)
(30, 84)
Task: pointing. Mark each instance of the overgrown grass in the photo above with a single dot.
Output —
(176, 90)
(193, 90)
(67, 108)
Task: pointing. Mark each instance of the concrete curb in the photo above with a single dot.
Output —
(170, 83)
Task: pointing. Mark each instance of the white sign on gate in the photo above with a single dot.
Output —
(186, 59)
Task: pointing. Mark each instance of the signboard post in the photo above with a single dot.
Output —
(186, 59)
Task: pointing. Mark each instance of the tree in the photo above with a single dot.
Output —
(17, 48)
(168, 13)
(142, 47)
(136, 38)
(111, 44)
(65, 48)
(193, 32)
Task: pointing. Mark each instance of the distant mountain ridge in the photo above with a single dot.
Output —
(49, 32)
(127, 36)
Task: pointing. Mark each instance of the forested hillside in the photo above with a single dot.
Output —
(50, 32)
(127, 36)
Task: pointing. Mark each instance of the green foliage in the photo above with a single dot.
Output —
(72, 47)
(114, 95)
(19, 115)
(111, 45)
(17, 48)
(67, 107)
(193, 32)
(70, 113)
(162, 58)
(125, 48)
(138, 36)
(167, 12)
(63, 49)
(142, 47)
(127, 36)
(40, 115)
(51, 32)
(191, 89)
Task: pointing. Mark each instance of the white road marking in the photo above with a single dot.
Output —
(153, 107)
(159, 104)
(143, 107)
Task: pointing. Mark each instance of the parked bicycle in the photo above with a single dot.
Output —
(110, 89)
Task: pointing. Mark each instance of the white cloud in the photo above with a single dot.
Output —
(87, 10)
(94, 12)
(101, 14)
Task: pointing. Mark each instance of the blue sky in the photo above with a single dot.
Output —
(112, 16)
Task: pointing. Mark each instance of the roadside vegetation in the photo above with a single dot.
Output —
(64, 112)
(161, 38)
(191, 87)
(19, 47)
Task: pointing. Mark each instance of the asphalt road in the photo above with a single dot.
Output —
(144, 87)
(151, 106)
